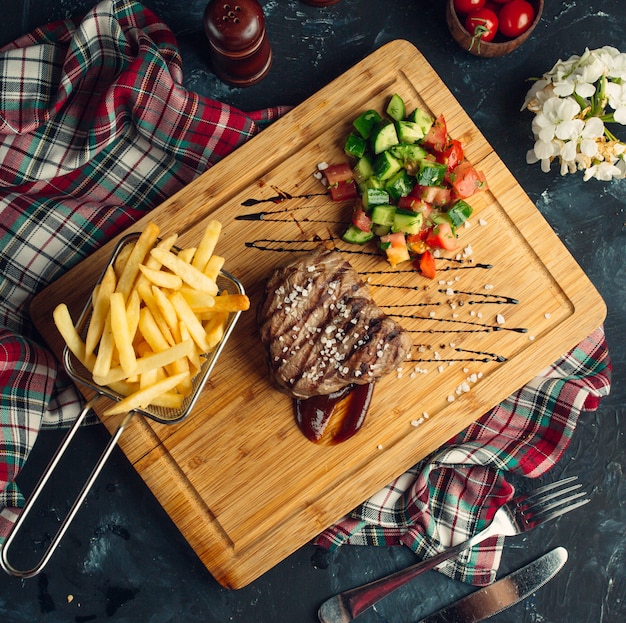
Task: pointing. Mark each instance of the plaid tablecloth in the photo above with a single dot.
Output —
(95, 130)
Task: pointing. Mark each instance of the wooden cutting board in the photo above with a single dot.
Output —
(237, 477)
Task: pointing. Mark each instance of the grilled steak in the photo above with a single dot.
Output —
(322, 329)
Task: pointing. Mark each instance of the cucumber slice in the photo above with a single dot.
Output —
(355, 235)
(409, 155)
(423, 119)
(385, 166)
(431, 173)
(381, 230)
(363, 169)
(409, 131)
(395, 107)
(373, 197)
(384, 136)
(399, 185)
(355, 145)
(365, 122)
(383, 215)
(459, 213)
(407, 221)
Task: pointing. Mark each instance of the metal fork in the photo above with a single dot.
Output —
(522, 513)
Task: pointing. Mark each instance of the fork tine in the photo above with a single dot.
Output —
(550, 487)
(551, 504)
(546, 499)
(563, 507)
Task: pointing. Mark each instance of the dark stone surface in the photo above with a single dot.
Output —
(124, 561)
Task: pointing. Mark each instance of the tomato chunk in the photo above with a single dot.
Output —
(452, 155)
(441, 236)
(343, 190)
(415, 204)
(395, 248)
(466, 180)
(435, 195)
(426, 265)
(335, 173)
(361, 219)
(437, 136)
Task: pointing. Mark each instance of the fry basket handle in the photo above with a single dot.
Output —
(4, 552)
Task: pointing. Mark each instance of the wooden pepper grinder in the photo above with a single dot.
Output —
(240, 50)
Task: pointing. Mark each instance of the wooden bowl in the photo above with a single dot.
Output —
(487, 49)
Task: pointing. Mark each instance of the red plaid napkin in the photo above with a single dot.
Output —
(95, 130)
(455, 492)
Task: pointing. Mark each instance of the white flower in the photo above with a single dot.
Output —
(570, 104)
(604, 171)
(617, 100)
(557, 118)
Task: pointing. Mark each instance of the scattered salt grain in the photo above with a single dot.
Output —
(500, 319)
(482, 222)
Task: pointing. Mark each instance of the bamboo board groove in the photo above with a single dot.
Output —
(237, 477)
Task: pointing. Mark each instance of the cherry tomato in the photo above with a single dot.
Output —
(465, 6)
(482, 24)
(515, 18)
(492, 5)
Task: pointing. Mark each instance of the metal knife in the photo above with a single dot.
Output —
(485, 602)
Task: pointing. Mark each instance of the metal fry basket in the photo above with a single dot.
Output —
(81, 375)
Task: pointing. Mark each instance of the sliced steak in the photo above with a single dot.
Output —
(322, 329)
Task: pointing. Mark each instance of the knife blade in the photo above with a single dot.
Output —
(482, 603)
(494, 598)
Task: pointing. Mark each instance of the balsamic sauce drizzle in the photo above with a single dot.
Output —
(280, 197)
(483, 327)
(449, 264)
(274, 216)
(498, 299)
(485, 358)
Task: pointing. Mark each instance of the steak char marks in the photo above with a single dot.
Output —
(322, 329)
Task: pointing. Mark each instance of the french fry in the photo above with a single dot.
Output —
(186, 272)
(155, 314)
(151, 331)
(186, 255)
(122, 258)
(65, 325)
(147, 296)
(100, 303)
(167, 311)
(121, 334)
(227, 303)
(207, 245)
(213, 267)
(169, 400)
(186, 315)
(133, 307)
(161, 278)
(198, 300)
(145, 396)
(149, 363)
(104, 357)
(144, 244)
(214, 328)
(194, 355)
(152, 263)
